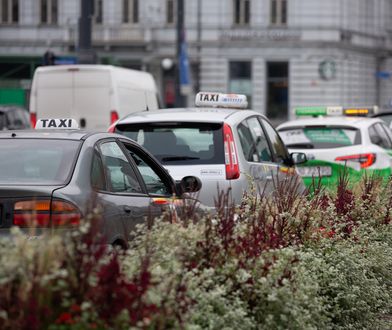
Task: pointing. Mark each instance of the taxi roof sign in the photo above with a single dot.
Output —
(319, 111)
(220, 100)
(334, 111)
(56, 123)
(360, 111)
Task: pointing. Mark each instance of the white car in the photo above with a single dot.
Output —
(219, 141)
(334, 142)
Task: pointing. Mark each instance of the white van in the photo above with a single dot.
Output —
(95, 95)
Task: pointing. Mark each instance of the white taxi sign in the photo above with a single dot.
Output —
(56, 123)
(220, 100)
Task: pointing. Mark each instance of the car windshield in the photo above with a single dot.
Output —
(179, 143)
(36, 161)
(320, 137)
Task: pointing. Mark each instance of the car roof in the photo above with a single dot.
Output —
(63, 134)
(358, 122)
(207, 115)
(383, 113)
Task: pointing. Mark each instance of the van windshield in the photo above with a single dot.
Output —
(36, 161)
(179, 143)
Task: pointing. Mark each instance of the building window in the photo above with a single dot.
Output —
(240, 75)
(170, 11)
(241, 9)
(49, 10)
(98, 11)
(278, 12)
(131, 11)
(9, 11)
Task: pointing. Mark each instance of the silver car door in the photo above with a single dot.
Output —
(257, 154)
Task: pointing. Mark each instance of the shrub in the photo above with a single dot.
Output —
(284, 260)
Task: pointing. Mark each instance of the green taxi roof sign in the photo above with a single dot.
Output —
(319, 111)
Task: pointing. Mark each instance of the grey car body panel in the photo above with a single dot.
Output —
(119, 212)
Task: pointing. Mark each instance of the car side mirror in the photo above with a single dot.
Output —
(190, 184)
(298, 158)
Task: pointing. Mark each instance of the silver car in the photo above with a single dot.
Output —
(224, 147)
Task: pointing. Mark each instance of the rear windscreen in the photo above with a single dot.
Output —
(179, 143)
(36, 161)
(320, 137)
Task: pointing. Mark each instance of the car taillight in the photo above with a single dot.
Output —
(365, 160)
(231, 159)
(45, 213)
(33, 119)
(113, 116)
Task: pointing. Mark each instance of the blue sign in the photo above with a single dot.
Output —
(184, 69)
(383, 74)
(61, 60)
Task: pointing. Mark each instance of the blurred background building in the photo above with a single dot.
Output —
(281, 53)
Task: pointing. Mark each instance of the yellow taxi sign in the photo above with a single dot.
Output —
(220, 100)
(360, 111)
(56, 123)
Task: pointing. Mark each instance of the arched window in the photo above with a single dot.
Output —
(9, 11)
(170, 11)
(241, 11)
(278, 12)
(49, 11)
(98, 11)
(131, 11)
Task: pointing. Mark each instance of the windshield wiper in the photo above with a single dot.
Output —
(175, 158)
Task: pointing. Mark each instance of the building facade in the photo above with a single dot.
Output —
(281, 53)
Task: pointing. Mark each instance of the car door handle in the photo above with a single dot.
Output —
(127, 209)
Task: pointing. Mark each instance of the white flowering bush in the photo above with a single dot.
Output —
(283, 261)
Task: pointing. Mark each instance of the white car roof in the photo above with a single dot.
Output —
(201, 115)
(357, 122)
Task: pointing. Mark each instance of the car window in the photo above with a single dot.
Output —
(3, 122)
(23, 118)
(320, 137)
(277, 145)
(379, 136)
(179, 143)
(120, 175)
(10, 118)
(97, 172)
(253, 141)
(37, 161)
(387, 118)
(387, 131)
(154, 181)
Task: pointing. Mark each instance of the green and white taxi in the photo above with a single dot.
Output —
(335, 139)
